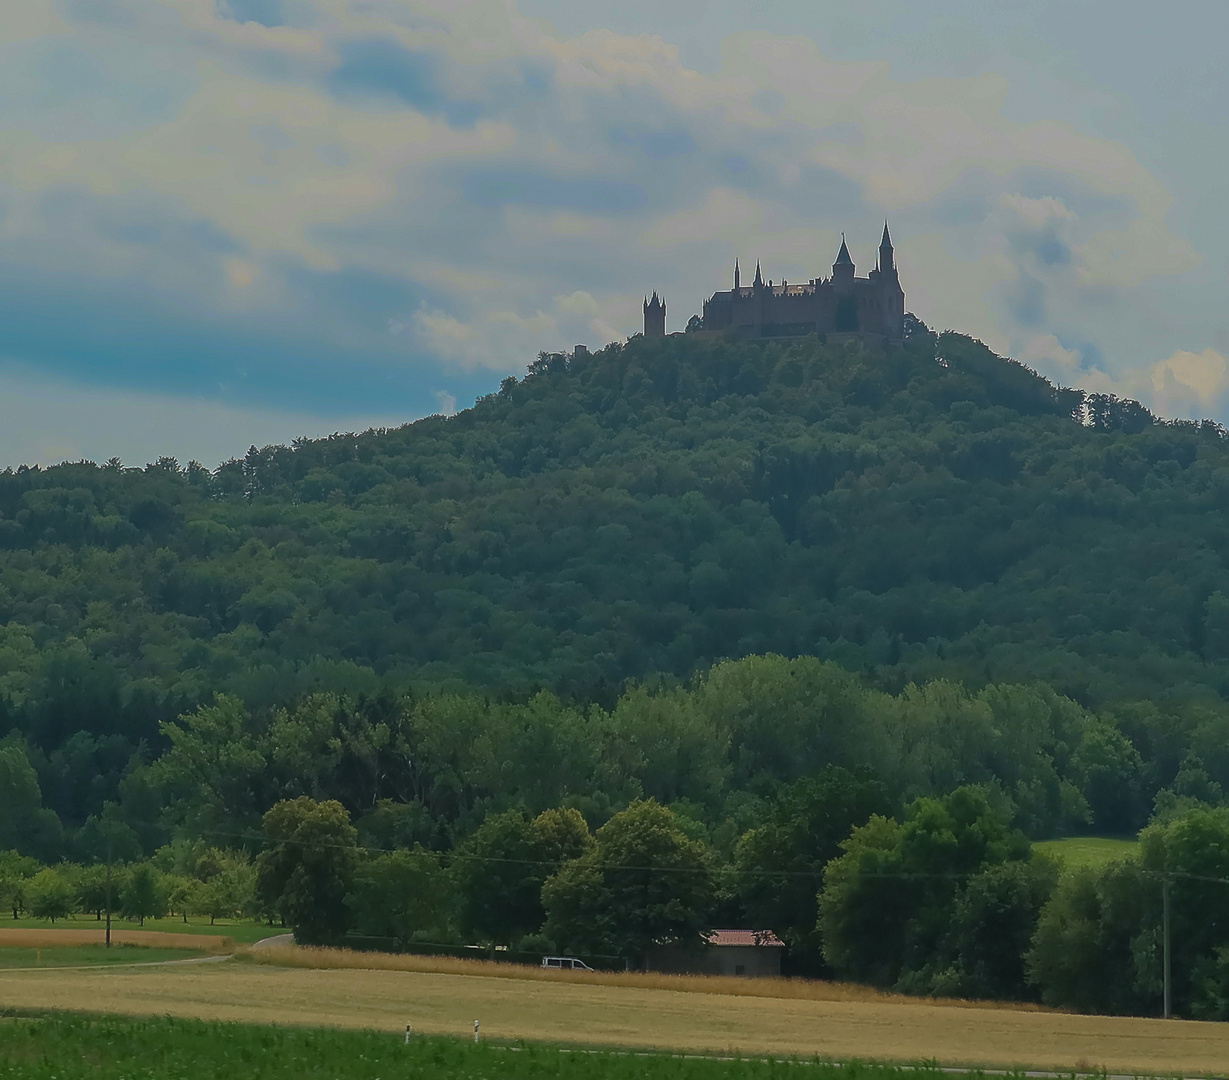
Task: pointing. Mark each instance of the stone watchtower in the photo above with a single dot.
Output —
(654, 317)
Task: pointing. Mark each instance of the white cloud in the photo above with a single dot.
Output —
(45, 421)
(1045, 350)
(523, 188)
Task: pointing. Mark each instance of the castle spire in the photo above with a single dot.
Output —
(842, 256)
(759, 281)
(736, 275)
(886, 260)
(842, 269)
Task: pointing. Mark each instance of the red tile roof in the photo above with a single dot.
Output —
(743, 937)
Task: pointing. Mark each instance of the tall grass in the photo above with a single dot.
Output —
(793, 989)
(76, 1048)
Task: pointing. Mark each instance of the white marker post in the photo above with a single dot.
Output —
(475, 1031)
(407, 1034)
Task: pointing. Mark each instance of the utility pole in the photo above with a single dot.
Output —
(1168, 1005)
(108, 894)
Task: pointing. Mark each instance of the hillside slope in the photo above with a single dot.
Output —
(932, 510)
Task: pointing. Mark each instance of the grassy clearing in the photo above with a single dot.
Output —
(68, 1048)
(239, 930)
(793, 989)
(557, 1012)
(1077, 852)
(89, 956)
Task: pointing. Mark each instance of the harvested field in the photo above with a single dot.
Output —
(800, 989)
(555, 1011)
(24, 938)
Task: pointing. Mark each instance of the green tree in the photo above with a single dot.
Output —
(500, 868)
(993, 924)
(644, 883)
(1109, 770)
(1193, 852)
(182, 895)
(25, 825)
(1096, 946)
(144, 894)
(560, 835)
(49, 895)
(227, 892)
(15, 872)
(498, 880)
(887, 907)
(307, 870)
(401, 894)
(780, 863)
(94, 892)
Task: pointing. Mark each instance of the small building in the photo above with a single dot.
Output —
(750, 954)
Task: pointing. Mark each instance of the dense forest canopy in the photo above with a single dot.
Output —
(932, 511)
(792, 621)
(652, 508)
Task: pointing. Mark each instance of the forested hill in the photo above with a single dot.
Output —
(929, 511)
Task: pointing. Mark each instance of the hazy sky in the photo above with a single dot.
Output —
(235, 221)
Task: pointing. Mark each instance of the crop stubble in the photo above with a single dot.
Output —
(632, 1017)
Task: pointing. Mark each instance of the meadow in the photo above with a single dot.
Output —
(67, 1048)
(1077, 852)
(628, 1017)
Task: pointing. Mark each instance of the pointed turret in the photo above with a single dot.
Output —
(736, 275)
(759, 281)
(655, 317)
(842, 269)
(887, 262)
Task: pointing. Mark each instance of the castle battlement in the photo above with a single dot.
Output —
(872, 307)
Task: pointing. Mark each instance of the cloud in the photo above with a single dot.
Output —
(576, 317)
(47, 421)
(290, 203)
(1045, 350)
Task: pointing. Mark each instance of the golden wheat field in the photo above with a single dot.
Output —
(807, 989)
(633, 1016)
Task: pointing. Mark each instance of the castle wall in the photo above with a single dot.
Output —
(872, 306)
(864, 305)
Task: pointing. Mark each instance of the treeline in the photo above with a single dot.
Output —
(944, 897)
(883, 837)
(717, 750)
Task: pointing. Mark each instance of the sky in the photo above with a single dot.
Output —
(234, 222)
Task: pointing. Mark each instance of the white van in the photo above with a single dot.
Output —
(565, 963)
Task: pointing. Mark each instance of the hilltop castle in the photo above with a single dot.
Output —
(869, 308)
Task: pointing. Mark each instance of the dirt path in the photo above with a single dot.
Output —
(632, 1017)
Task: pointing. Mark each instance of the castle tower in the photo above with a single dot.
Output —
(758, 283)
(736, 275)
(887, 263)
(842, 269)
(654, 317)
